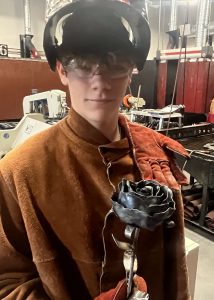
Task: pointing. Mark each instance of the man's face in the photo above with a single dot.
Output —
(96, 90)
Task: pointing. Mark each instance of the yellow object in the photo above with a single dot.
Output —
(212, 107)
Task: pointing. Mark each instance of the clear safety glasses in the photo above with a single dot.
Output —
(110, 65)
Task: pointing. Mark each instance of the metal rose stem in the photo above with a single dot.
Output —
(129, 257)
(136, 232)
(145, 204)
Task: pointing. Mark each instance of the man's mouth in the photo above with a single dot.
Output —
(100, 100)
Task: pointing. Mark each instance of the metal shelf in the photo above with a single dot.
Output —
(202, 230)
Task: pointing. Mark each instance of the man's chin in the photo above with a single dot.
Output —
(100, 115)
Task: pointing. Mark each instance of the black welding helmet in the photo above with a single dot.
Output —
(97, 27)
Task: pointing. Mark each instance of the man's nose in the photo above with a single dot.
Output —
(100, 82)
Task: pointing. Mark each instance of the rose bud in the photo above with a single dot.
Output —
(144, 204)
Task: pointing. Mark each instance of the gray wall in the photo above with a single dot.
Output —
(12, 22)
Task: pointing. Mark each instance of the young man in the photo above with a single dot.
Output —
(55, 189)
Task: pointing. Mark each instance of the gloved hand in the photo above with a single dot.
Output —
(119, 293)
(154, 154)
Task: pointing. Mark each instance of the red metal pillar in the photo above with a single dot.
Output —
(161, 84)
(190, 85)
(201, 89)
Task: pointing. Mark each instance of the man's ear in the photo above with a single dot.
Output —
(61, 72)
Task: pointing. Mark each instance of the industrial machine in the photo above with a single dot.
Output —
(40, 112)
(169, 116)
(28, 126)
(51, 104)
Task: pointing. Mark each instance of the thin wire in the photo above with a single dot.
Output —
(185, 56)
(175, 84)
(177, 71)
(104, 246)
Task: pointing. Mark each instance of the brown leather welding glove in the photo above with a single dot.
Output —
(119, 293)
(154, 154)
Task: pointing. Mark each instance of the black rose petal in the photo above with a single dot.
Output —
(145, 204)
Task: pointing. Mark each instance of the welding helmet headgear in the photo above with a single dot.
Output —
(97, 27)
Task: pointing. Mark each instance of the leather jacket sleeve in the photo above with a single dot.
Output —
(18, 276)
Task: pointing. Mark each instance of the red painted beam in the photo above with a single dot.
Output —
(190, 85)
(201, 89)
(161, 86)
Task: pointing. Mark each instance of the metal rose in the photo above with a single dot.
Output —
(144, 204)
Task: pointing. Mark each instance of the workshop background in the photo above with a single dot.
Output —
(177, 84)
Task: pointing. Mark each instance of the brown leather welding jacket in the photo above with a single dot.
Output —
(55, 191)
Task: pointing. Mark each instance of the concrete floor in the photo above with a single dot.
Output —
(204, 287)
